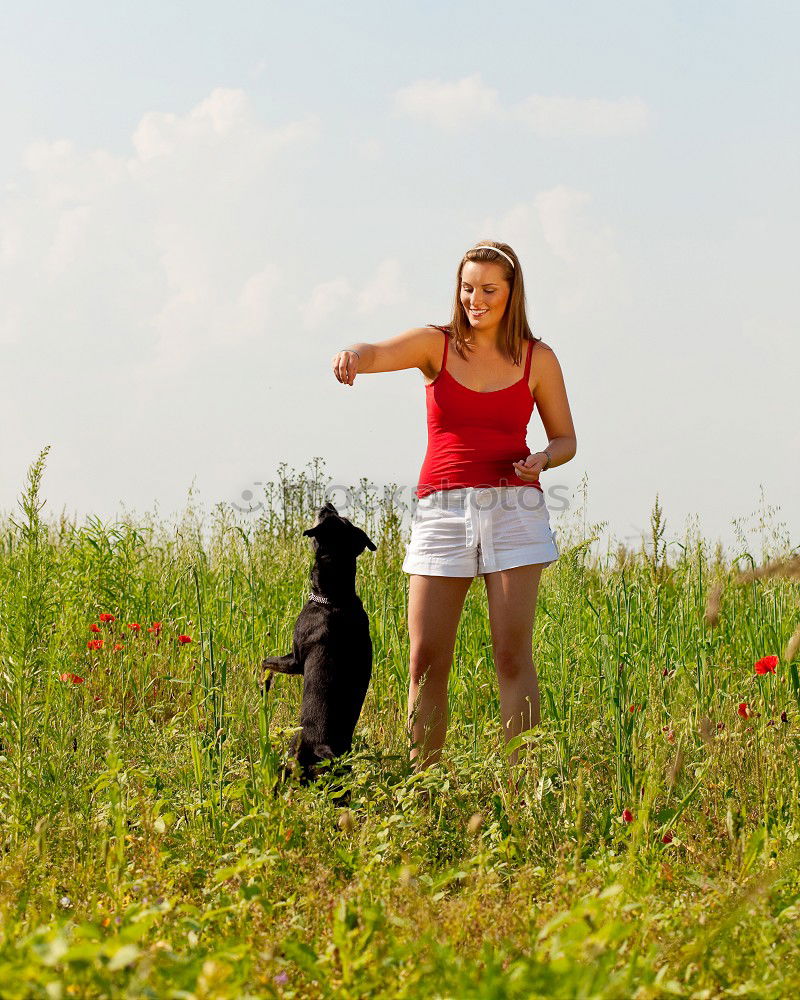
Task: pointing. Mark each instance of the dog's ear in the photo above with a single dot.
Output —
(340, 531)
(361, 541)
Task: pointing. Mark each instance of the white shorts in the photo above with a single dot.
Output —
(472, 531)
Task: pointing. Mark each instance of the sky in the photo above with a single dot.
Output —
(200, 204)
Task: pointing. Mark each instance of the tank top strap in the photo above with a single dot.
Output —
(528, 361)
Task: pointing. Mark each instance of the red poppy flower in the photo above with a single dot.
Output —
(107, 618)
(155, 628)
(118, 646)
(667, 838)
(94, 644)
(94, 627)
(627, 815)
(635, 708)
(183, 639)
(71, 677)
(135, 627)
(766, 665)
(784, 717)
(744, 710)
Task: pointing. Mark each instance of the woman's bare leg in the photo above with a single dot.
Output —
(512, 596)
(434, 609)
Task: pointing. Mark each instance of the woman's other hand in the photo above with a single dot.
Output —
(529, 470)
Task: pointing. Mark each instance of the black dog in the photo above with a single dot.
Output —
(332, 647)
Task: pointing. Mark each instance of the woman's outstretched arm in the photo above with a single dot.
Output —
(412, 349)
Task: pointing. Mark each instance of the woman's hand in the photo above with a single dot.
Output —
(345, 366)
(529, 469)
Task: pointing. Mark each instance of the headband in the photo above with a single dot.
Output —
(484, 247)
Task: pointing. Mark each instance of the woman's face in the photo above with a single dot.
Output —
(484, 293)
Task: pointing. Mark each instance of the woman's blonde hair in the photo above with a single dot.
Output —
(514, 321)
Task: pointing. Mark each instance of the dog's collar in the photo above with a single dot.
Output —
(324, 600)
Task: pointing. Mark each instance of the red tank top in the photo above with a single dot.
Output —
(475, 437)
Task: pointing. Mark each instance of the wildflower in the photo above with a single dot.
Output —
(475, 823)
(627, 815)
(766, 665)
(118, 646)
(784, 717)
(94, 644)
(107, 618)
(155, 628)
(706, 729)
(66, 678)
(744, 710)
(713, 604)
(183, 639)
(669, 734)
(135, 627)
(792, 646)
(635, 708)
(667, 838)
(97, 697)
(94, 627)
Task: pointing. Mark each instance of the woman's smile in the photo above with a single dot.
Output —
(484, 294)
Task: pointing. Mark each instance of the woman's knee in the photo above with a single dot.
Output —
(430, 665)
(513, 665)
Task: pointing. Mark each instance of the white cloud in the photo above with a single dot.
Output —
(174, 249)
(559, 210)
(384, 289)
(571, 262)
(69, 239)
(326, 298)
(469, 102)
(371, 150)
(257, 299)
(552, 117)
(259, 69)
(450, 106)
(224, 117)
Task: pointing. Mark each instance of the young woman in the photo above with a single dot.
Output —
(481, 508)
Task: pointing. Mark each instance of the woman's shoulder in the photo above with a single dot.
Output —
(542, 355)
(544, 365)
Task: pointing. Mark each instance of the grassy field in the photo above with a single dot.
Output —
(654, 851)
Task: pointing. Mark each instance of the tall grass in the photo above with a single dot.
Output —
(652, 851)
